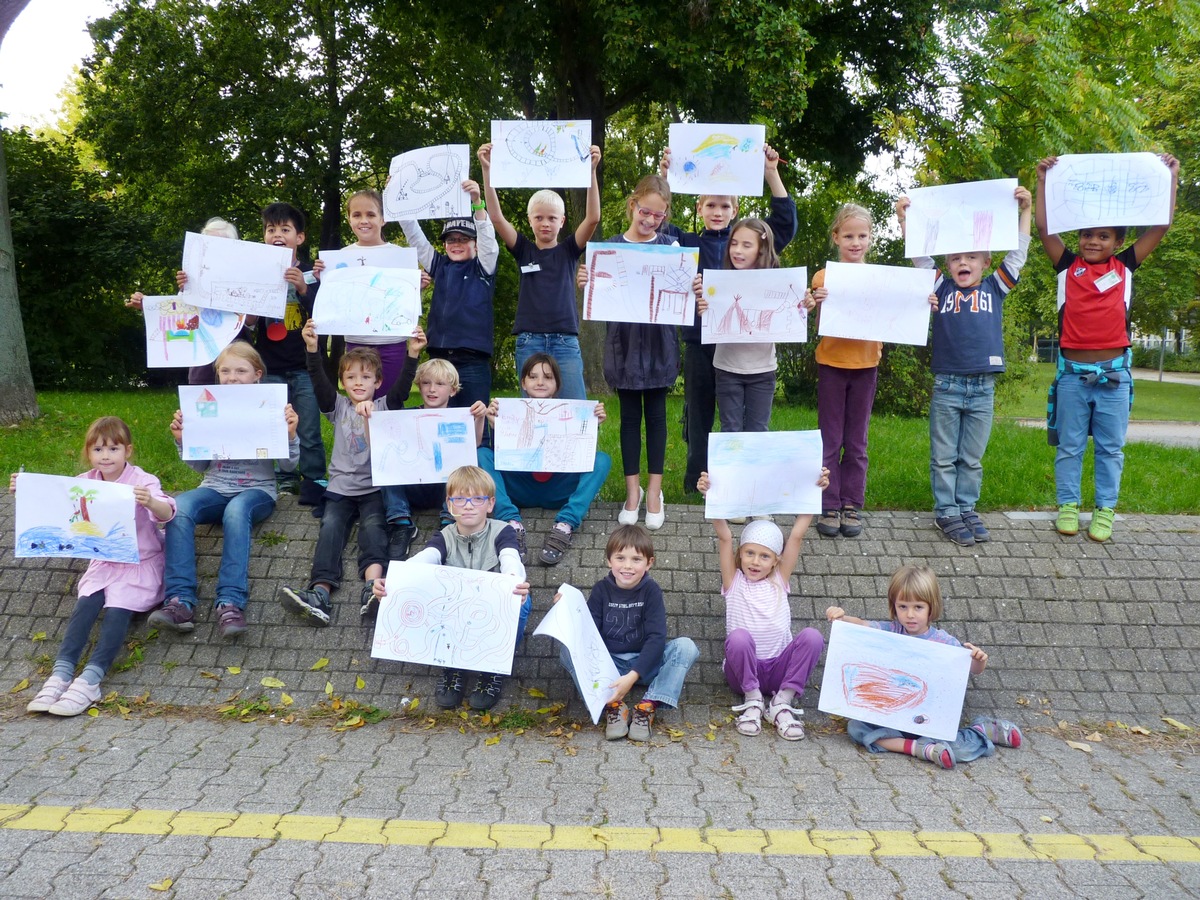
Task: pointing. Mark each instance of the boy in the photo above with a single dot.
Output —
(1093, 389)
(464, 286)
(547, 320)
(475, 541)
(717, 212)
(350, 490)
(282, 348)
(628, 609)
(968, 351)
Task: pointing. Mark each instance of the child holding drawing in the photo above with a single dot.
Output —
(117, 589)
(915, 604)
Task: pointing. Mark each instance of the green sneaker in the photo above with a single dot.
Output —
(1068, 519)
(1102, 523)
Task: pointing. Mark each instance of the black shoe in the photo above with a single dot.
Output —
(311, 603)
(369, 609)
(449, 691)
(487, 692)
(400, 538)
(312, 493)
(522, 545)
(956, 530)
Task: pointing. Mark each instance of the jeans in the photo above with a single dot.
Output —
(967, 745)
(335, 531)
(960, 422)
(700, 406)
(565, 350)
(1102, 408)
(632, 403)
(572, 491)
(399, 500)
(304, 401)
(237, 515)
(664, 684)
(744, 401)
(113, 629)
(844, 401)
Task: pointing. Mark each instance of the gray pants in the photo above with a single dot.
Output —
(744, 401)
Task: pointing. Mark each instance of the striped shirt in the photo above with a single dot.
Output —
(761, 608)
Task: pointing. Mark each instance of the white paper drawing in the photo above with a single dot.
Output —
(234, 421)
(754, 306)
(958, 218)
(877, 303)
(368, 300)
(427, 184)
(180, 334)
(240, 276)
(79, 518)
(648, 283)
(549, 154)
(387, 256)
(549, 435)
(570, 623)
(1097, 189)
(716, 159)
(420, 446)
(760, 473)
(449, 617)
(894, 680)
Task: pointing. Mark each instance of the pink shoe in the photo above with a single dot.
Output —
(54, 688)
(79, 697)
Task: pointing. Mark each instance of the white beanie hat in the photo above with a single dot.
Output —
(764, 532)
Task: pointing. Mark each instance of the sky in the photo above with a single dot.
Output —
(39, 54)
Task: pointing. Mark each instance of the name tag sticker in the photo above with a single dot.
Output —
(534, 267)
(1111, 280)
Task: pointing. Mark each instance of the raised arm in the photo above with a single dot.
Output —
(1152, 236)
(795, 540)
(402, 386)
(1052, 243)
(504, 228)
(322, 387)
(591, 217)
(725, 549)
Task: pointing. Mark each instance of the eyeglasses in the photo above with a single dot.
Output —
(456, 238)
(651, 214)
(467, 501)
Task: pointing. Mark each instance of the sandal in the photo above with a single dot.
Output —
(556, 545)
(786, 719)
(749, 722)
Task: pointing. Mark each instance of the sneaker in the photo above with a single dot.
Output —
(522, 547)
(1068, 519)
(1102, 522)
(369, 610)
(449, 691)
(936, 752)
(558, 542)
(231, 621)
(312, 603)
(78, 697)
(54, 688)
(641, 721)
(486, 693)
(851, 523)
(955, 529)
(616, 721)
(400, 538)
(999, 731)
(174, 615)
(978, 529)
(830, 523)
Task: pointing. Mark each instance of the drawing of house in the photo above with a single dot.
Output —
(206, 404)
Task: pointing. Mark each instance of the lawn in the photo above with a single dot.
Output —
(1019, 466)
(1152, 400)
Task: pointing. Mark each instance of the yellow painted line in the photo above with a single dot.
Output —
(1046, 847)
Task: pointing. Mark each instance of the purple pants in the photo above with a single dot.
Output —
(744, 671)
(393, 356)
(844, 400)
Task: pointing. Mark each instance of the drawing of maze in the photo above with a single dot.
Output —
(1104, 191)
(426, 184)
(544, 144)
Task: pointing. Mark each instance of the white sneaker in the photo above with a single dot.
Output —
(54, 688)
(630, 516)
(654, 521)
(78, 697)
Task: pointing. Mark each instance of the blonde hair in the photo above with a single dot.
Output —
(548, 198)
(106, 429)
(242, 350)
(441, 369)
(218, 227)
(651, 184)
(470, 481)
(915, 584)
(849, 211)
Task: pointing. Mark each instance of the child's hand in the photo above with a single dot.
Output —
(293, 276)
(292, 420)
(478, 410)
(485, 156)
(318, 268)
(493, 409)
(598, 409)
(309, 334)
(823, 481)
(834, 613)
(426, 279)
(1171, 163)
(809, 301)
(819, 295)
(976, 654)
(621, 686)
(141, 495)
(698, 284)
(417, 342)
(522, 590)
(181, 280)
(379, 588)
(595, 150)
(471, 188)
(902, 205)
(364, 408)
(176, 426)
(703, 483)
(770, 159)
(553, 600)
(701, 305)
(1024, 198)
(933, 301)
(664, 164)
(1045, 165)
(135, 300)
(12, 489)
(581, 276)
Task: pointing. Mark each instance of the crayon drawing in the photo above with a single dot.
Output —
(368, 300)
(450, 617)
(646, 283)
(533, 435)
(240, 276)
(913, 685)
(754, 305)
(427, 184)
(716, 159)
(234, 421)
(759, 473)
(549, 154)
(179, 334)
(420, 446)
(570, 622)
(1097, 189)
(877, 303)
(79, 518)
(958, 218)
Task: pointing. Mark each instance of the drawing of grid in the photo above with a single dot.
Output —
(1103, 190)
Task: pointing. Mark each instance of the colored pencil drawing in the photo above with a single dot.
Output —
(533, 435)
(239, 276)
(877, 303)
(760, 473)
(881, 689)
(420, 446)
(180, 334)
(362, 300)
(427, 184)
(1099, 189)
(234, 421)
(716, 159)
(569, 622)
(759, 305)
(78, 518)
(650, 284)
(958, 218)
(541, 154)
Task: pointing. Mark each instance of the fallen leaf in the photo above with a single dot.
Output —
(270, 682)
(1076, 745)
(416, 701)
(1095, 737)
(234, 670)
(518, 731)
(286, 699)
(355, 722)
(485, 719)
(492, 741)
(164, 885)
(320, 664)
(534, 692)
(329, 689)
(1138, 729)
(710, 736)
(288, 719)
(1064, 725)
(1045, 818)
(1022, 701)
(1176, 724)
(93, 712)
(359, 683)
(123, 710)
(571, 751)
(547, 761)
(19, 686)
(38, 636)
(213, 675)
(337, 704)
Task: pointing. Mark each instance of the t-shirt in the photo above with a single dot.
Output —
(631, 620)
(1094, 299)
(933, 634)
(761, 608)
(845, 353)
(546, 295)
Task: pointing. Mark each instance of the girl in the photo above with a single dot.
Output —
(761, 656)
(915, 603)
(574, 491)
(238, 493)
(121, 589)
(846, 373)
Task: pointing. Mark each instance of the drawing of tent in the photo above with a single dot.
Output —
(757, 319)
(206, 405)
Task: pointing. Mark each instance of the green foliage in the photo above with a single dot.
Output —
(1147, 358)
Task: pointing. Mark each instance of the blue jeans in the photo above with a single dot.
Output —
(238, 515)
(399, 500)
(304, 401)
(967, 745)
(573, 491)
(565, 350)
(664, 684)
(744, 401)
(1103, 409)
(335, 531)
(960, 422)
(113, 629)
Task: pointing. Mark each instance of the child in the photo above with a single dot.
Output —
(761, 656)
(968, 351)
(717, 212)
(120, 589)
(628, 609)
(461, 320)
(1093, 389)
(547, 320)
(915, 603)
(846, 374)
(574, 491)
(238, 493)
(477, 542)
(350, 489)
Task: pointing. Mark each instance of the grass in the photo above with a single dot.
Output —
(1019, 467)
(1152, 400)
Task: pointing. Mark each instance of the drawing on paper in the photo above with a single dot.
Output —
(716, 159)
(239, 276)
(420, 446)
(382, 256)
(959, 218)
(648, 284)
(77, 518)
(1098, 189)
(753, 306)
(541, 154)
(553, 435)
(877, 303)
(759, 473)
(180, 334)
(450, 617)
(234, 421)
(570, 622)
(427, 184)
(368, 300)
(881, 689)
